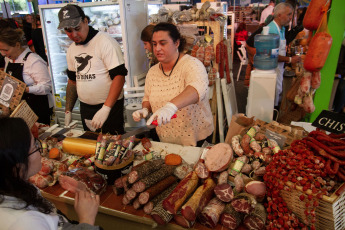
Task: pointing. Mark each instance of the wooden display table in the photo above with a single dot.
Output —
(112, 214)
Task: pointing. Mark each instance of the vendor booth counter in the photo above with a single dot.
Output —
(112, 214)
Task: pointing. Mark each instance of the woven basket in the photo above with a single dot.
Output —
(330, 214)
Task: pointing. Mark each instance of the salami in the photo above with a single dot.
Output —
(221, 63)
(239, 183)
(198, 201)
(226, 60)
(201, 170)
(125, 201)
(208, 55)
(130, 194)
(218, 52)
(146, 143)
(149, 206)
(238, 165)
(318, 50)
(256, 164)
(247, 168)
(183, 222)
(219, 151)
(223, 177)
(315, 80)
(194, 49)
(254, 145)
(154, 178)
(144, 170)
(305, 83)
(156, 189)
(235, 144)
(182, 170)
(256, 220)
(230, 218)
(245, 145)
(259, 136)
(121, 184)
(41, 181)
(136, 204)
(211, 213)
(308, 104)
(260, 171)
(314, 14)
(160, 215)
(186, 186)
(200, 54)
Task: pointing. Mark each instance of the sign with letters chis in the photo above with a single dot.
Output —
(330, 121)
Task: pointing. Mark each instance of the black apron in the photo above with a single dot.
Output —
(38, 103)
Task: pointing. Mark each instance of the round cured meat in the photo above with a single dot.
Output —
(218, 157)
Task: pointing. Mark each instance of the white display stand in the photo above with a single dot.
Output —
(261, 94)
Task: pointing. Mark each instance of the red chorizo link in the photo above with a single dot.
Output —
(337, 136)
(330, 140)
(323, 152)
(218, 52)
(327, 149)
(329, 168)
(339, 147)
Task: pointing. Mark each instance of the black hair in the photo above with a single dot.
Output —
(173, 33)
(15, 143)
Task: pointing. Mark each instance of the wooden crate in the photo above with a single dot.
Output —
(330, 214)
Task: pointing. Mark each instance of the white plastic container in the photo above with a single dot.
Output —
(261, 94)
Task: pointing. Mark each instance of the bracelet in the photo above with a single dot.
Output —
(289, 59)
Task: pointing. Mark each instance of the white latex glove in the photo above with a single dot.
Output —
(68, 118)
(164, 114)
(139, 114)
(100, 117)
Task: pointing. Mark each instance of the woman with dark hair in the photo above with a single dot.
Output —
(177, 84)
(29, 68)
(146, 35)
(21, 204)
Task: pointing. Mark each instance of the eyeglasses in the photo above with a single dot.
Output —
(38, 146)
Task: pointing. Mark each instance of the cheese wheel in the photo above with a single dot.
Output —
(79, 146)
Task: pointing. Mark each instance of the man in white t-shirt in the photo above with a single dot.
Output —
(267, 11)
(96, 73)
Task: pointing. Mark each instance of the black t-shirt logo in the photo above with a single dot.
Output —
(83, 63)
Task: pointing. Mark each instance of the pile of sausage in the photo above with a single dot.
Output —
(205, 54)
(49, 173)
(203, 194)
(313, 166)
